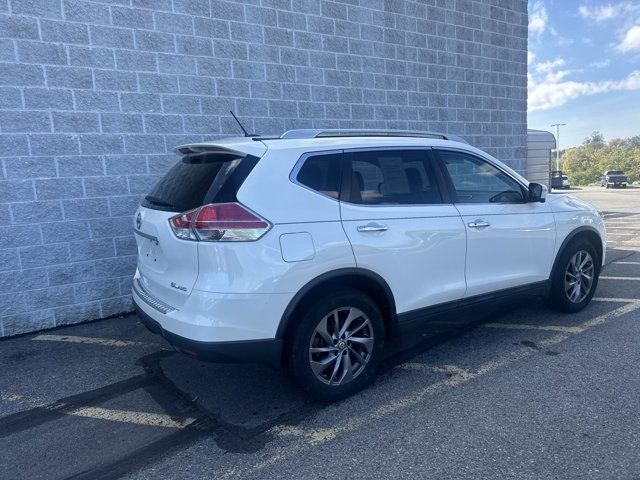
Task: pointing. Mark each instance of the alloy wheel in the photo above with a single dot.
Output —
(578, 277)
(341, 346)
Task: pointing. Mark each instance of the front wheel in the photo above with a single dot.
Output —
(336, 348)
(576, 277)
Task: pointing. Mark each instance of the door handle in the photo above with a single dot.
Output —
(479, 224)
(372, 227)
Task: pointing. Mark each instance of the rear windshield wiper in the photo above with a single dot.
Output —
(158, 201)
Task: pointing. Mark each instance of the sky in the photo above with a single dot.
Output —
(584, 68)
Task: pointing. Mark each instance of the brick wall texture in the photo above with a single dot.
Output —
(94, 96)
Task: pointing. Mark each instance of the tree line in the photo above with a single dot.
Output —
(586, 164)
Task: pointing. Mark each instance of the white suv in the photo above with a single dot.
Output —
(317, 250)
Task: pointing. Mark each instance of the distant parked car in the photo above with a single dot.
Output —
(557, 179)
(614, 179)
(565, 182)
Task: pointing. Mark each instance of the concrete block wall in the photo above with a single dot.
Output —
(95, 94)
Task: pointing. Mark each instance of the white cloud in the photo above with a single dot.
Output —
(553, 91)
(546, 67)
(538, 18)
(631, 40)
(531, 57)
(626, 17)
(600, 13)
(560, 40)
(600, 64)
(610, 11)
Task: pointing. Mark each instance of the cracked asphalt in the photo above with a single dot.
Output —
(529, 394)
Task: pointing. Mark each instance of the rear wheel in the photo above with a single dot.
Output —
(576, 277)
(336, 348)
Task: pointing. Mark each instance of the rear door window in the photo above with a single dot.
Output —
(393, 177)
(198, 179)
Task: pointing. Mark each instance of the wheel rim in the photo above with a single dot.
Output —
(578, 277)
(341, 346)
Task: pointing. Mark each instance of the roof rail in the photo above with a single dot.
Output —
(318, 133)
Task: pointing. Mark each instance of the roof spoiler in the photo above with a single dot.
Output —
(201, 148)
(240, 146)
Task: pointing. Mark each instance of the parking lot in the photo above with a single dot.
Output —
(528, 394)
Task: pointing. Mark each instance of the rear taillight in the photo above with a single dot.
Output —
(181, 225)
(219, 222)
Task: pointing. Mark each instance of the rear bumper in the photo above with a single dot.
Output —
(244, 351)
(215, 327)
(215, 317)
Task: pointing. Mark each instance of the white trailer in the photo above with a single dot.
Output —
(539, 146)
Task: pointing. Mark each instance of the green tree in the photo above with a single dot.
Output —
(586, 163)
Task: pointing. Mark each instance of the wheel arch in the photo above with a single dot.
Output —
(361, 279)
(588, 233)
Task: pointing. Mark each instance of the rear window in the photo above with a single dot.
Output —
(616, 172)
(198, 179)
(321, 173)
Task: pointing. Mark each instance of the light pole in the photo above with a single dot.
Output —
(558, 125)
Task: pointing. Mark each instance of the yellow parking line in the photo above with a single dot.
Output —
(619, 278)
(126, 416)
(525, 326)
(614, 299)
(109, 342)
(449, 369)
(10, 397)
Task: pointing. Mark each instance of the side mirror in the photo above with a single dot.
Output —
(537, 192)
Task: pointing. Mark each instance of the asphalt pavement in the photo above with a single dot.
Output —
(528, 394)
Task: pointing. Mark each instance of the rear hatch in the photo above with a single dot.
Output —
(168, 265)
(617, 177)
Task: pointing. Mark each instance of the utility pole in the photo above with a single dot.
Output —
(558, 125)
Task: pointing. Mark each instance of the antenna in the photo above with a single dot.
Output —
(246, 134)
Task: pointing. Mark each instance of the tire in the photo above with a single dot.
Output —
(607, 186)
(324, 383)
(564, 296)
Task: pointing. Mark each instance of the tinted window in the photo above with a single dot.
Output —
(198, 179)
(393, 177)
(477, 181)
(321, 173)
